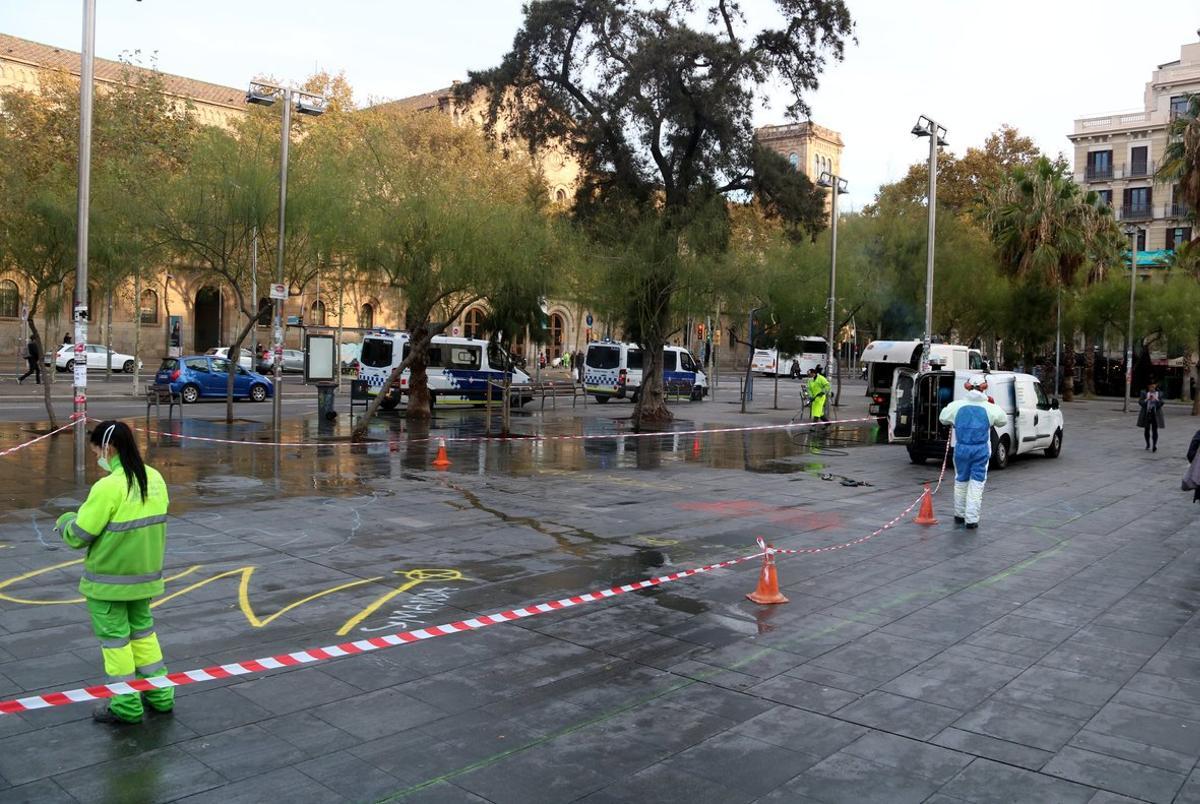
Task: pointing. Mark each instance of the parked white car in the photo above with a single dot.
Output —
(97, 358)
(246, 360)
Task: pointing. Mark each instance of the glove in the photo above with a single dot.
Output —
(64, 520)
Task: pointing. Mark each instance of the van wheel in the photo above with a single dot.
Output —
(1000, 454)
(916, 457)
(1055, 448)
(601, 399)
(697, 393)
(389, 403)
(189, 394)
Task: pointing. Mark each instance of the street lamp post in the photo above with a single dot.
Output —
(86, 74)
(1132, 232)
(306, 103)
(837, 185)
(928, 127)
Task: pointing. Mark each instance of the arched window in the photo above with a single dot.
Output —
(317, 314)
(560, 196)
(366, 316)
(794, 160)
(148, 309)
(473, 323)
(10, 299)
(558, 329)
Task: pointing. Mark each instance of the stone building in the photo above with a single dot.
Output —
(1117, 155)
(196, 309)
(810, 148)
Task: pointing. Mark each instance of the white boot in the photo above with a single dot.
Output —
(960, 500)
(974, 502)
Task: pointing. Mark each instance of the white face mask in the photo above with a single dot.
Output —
(103, 461)
(104, 464)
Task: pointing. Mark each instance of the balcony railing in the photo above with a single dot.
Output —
(1181, 211)
(1099, 172)
(1136, 212)
(1137, 169)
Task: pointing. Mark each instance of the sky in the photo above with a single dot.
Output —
(969, 64)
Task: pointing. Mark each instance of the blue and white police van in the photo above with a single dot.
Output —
(613, 370)
(458, 370)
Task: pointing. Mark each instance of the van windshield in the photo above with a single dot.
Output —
(688, 363)
(498, 359)
(603, 357)
(376, 353)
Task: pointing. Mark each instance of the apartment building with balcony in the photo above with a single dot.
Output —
(1117, 155)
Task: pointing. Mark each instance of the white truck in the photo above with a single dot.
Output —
(1035, 422)
(883, 358)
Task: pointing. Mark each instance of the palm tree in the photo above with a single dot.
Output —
(1181, 161)
(1106, 250)
(1039, 221)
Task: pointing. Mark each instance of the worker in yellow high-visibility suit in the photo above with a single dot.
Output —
(122, 524)
(818, 393)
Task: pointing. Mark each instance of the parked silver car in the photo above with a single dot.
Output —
(293, 362)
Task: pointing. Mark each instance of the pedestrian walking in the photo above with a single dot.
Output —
(1191, 479)
(33, 358)
(1150, 415)
(122, 525)
(972, 419)
(67, 339)
(818, 392)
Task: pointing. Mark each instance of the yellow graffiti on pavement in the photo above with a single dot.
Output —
(415, 577)
(657, 541)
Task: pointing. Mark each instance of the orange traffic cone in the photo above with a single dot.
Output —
(441, 461)
(696, 447)
(925, 515)
(767, 590)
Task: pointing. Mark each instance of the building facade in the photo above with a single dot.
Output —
(185, 309)
(1117, 155)
(808, 147)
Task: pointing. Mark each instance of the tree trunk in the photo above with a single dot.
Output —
(1068, 389)
(235, 355)
(1196, 377)
(419, 400)
(137, 328)
(37, 339)
(1089, 366)
(651, 405)
(108, 336)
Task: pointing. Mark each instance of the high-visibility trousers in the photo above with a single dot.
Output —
(130, 648)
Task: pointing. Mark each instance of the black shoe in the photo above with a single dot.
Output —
(103, 714)
(958, 520)
(972, 525)
(1154, 448)
(1147, 447)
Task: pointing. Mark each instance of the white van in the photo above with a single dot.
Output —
(613, 369)
(812, 353)
(1035, 422)
(882, 358)
(458, 369)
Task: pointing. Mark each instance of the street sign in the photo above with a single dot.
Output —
(716, 337)
(454, 332)
(589, 319)
(279, 291)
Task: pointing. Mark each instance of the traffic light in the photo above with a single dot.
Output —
(700, 331)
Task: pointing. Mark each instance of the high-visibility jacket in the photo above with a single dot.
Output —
(124, 536)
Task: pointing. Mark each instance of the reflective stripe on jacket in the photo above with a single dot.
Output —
(124, 536)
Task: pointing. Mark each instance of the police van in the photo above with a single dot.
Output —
(883, 358)
(458, 370)
(613, 370)
(1035, 422)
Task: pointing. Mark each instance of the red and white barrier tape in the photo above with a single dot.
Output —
(33, 441)
(521, 438)
(328, 652)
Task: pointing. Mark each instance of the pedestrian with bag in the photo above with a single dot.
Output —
(1150, 416)
(123, 527)
(33, 358)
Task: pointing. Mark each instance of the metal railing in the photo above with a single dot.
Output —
(1099, 173)
(1135, 170)
(1137, 212)
(1181, 211)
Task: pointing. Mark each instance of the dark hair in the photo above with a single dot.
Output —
(123, 442)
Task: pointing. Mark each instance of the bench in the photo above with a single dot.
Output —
(157, 395)
(556, 388)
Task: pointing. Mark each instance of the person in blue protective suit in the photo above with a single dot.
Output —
(972, 419)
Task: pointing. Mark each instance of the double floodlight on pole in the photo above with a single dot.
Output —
(928, 127)
(1132, 233)
(264, 94)
(837, 185)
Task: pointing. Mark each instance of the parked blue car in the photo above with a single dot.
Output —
(199, 376)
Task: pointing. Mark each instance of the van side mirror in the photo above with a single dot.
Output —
(1054, 404)
(987, 365)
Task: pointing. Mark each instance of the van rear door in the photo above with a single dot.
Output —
(902, 408)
